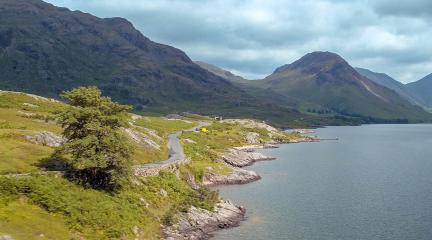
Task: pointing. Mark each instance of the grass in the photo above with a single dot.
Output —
(206, 148)
(164, 126)
(57, 208)
(94, 214)
(144, 155)
(22, 114)
(19, 155)
(28, 102)
(23, 221)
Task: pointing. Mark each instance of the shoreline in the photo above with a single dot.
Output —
(200, 223)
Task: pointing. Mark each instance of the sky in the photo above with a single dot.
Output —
(253, 37)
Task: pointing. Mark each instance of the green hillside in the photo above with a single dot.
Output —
(37, 201)
(324, 83)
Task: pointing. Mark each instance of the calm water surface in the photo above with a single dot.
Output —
(375, 182)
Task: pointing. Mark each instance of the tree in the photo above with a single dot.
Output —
(98, 154)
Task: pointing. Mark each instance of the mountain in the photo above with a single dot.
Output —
(422, 90)
(220, 72)
(45, 49)
(325, 79)
(248, 87)
(387, 81)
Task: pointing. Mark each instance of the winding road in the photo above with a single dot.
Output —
(175, 153)
(175, 149)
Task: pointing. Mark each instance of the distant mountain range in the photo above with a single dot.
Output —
(46, 49)
(387, 81)
(324, 83)
(220, 72)
(422, 91)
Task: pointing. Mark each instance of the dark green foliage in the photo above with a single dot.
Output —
(101, 215)
(97, 152)
(86, 210)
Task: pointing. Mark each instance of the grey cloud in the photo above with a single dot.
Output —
(253, 37)
(413, 8)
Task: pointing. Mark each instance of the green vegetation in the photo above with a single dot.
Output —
(330, 88)
(164, 126)
(17, 120)
(98, 154)
(23, 221)
(18, 154)
(50, 206)
(17, 111)
(206, 148)
(94, 214)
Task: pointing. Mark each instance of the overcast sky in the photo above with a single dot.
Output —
(253, 37)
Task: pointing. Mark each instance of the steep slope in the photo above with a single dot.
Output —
(46, 49)
(248, 87)
(326, 79)
(220, 72)
(422, 91)
(387, 81)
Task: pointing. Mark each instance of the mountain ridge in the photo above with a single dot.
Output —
(220, 72)
(422, 91)
(45, 50)
(326, 79)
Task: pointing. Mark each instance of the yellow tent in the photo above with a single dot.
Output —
(204, 130)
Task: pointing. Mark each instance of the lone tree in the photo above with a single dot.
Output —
(98, 154)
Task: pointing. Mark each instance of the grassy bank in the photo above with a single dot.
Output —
(204, 149)
(46, 205)
(135, 212)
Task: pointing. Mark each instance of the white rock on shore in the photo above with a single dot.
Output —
(237, 176)
(239, 158)
(199, 223)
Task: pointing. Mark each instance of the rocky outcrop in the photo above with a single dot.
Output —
(141, 139)
(47, 139)
(237, 176)
(153, 169)
(249, 123)
(199, 223)
(5, 237)
(190, 179)
(252, 148)
(240, 158)
(252, 138)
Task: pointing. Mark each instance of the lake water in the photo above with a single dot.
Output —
(375, 182)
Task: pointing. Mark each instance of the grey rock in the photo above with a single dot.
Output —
(163, 193)
(141, 138)
(46, 139)
(239, 158)
(30, 105)
(6, 237)
(190, 179)
(237, 176)
(199, 223)
(252, 138)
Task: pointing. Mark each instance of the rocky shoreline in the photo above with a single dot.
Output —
(200, 223)
(237, 176)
